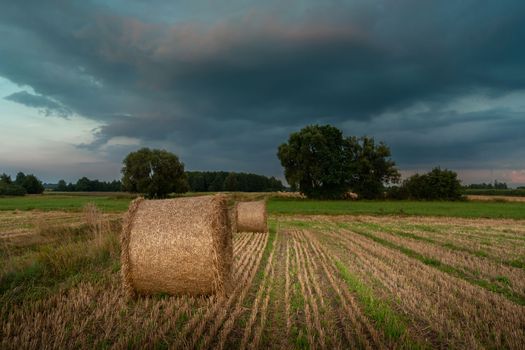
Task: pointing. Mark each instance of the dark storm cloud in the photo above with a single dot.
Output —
(44, 104)
(492, 138)
(232, 88)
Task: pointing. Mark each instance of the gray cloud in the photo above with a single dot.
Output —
(229, 89)
(44, 104)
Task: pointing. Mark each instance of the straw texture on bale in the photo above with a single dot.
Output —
(251, 216)
(177, 246)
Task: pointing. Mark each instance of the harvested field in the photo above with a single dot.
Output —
(476, 197)
(18, 223)
(318, 282)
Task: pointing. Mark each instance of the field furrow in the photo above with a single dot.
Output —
(263, 288)
(306, 287)
(257, 337)
(362, 333)
(493, 247)
(287, 291)
(481, 234)
(307, 308)
(233, 307)
(239, 243)
(504, 276)
(446, 304)
(321, 296)
(218, 311)
(499, 284)
(499, 247)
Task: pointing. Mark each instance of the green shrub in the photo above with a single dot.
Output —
(11, 189)
(437, 184)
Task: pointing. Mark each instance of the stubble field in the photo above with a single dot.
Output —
(313, 281)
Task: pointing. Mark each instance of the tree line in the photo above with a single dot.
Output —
(214, 181)
(158, 173)
(23, 184)
(318, 161)
(488, 186)
(197, 181)
(86, 185)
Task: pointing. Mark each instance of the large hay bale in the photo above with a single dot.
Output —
(177, 246)
(251, 216)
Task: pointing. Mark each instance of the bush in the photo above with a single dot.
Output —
(11, 190)
(396, 192)
(30, 182)
(435, 185)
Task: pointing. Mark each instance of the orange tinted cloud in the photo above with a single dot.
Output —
(518, 176)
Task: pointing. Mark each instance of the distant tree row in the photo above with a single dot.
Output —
(86, 185)
(157, 173)
(213, 181)
(23, 184)
(483, 186)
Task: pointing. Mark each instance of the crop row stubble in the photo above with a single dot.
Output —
(453, 311)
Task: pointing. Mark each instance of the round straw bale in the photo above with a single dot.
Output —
(177, 246)
(251, 216)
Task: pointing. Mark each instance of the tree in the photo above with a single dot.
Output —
(314, 160)
(230, 183)
(8, 188)
(500, 185)
(61, 186)
(370, 167)
(20, 178)
(83, 185)
(153, 172)
(6, 179)
(217, 184)
(324, 164)
(32, 184)
(435, 185)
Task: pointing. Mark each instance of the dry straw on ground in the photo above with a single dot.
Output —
(177, 246)
(251, 216)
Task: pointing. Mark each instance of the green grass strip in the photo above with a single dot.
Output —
(394, 326)
(467, 209)
(451, 270)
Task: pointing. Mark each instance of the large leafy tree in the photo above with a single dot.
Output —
(153, 172)
(322, 163)
(314, 161)
(369, 166)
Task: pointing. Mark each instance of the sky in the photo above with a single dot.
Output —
(83, 83)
